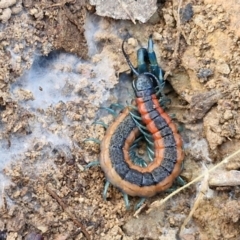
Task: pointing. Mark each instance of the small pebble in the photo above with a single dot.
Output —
(227, 114)
(223, 68)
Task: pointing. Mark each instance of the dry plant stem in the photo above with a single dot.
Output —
(68, 211)
(123, 5)
(202, 191)
(161, 202)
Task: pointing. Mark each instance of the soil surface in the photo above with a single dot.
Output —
(60, 63)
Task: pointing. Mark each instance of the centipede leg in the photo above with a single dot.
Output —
(133, 107)
(106, 186)
(111, 111)
(137, 160)
(135, 143)
(92, 140)
(164, 101)
(150, 154)
(117, 105)
(99, 122)
(126, 201)
(140, 203)
(180, 181)
(143, 130)
(92, 164)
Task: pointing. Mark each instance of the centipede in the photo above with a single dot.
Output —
(148, 119)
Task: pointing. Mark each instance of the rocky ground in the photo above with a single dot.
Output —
(60, 62)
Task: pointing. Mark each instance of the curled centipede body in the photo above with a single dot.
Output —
(115, 160)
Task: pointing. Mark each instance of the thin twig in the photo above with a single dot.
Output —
(68, 211)
(123, 5)
(60, 4)
(202, 191)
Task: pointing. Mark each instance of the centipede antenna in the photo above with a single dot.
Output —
(135, 143)
(135, 116)
(117, 105)
(134, 86)
(128, 60)
(133, 107)
(180, 181)
(133, 146)
(138, 124)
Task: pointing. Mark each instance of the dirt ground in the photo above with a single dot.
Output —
(60, 62)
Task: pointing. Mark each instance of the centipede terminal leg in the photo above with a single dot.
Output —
(180, 181)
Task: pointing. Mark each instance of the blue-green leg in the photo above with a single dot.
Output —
(135, 143)
(164, 100)
(136, 117)
(180, 181)
(92, 164)
(140, 203)
(106, 186)
(92, 140)
(116, 105)
(111, 111)
(137, 160)
(126, 201)
(99, 122)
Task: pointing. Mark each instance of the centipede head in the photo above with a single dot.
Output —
(143, 85)
(146, 82)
